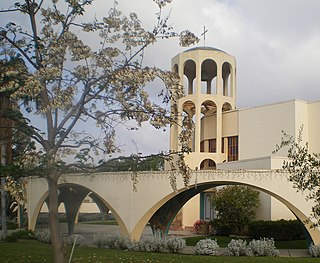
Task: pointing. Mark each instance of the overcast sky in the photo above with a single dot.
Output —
(276, 44)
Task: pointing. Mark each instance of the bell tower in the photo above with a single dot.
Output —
(208, 77)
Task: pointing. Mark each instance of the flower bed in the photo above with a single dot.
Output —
(201, 227)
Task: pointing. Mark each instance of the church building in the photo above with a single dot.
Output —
(225, 137)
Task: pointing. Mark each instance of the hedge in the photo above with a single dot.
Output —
(278, 230)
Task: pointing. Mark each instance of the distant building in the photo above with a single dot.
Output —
(225, 137)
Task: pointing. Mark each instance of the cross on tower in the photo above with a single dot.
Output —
(204, 34)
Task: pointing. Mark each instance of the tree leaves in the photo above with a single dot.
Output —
(235, 205)
(303, 168)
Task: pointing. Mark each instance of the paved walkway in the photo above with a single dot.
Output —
(88, 230)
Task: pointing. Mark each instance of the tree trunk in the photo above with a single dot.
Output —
(59, 252)
(3, 162)
(3, 209)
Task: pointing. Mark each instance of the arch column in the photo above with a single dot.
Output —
(72, 198)
(197, 132)
(233, 84)
(104, 210)
(219, 85)
(162, 219)
(219, 128)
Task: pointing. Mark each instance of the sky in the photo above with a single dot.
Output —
(275, 43)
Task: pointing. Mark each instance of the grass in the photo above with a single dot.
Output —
(31, 251)
(223, 242)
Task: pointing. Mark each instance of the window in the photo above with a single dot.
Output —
(222, 145)
(232, 148)
(202, 146)
(211, 164)
(212, 146)
(207, 164)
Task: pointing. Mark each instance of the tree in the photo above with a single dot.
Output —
(70, 83)
(133, 162)
(9, 70)
(303, 168)
(236, 207)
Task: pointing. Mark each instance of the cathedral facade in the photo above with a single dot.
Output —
(225, 137)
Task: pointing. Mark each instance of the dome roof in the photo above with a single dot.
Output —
(205, 48)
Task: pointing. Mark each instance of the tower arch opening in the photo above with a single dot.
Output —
(226, 107)
(189, 70)
(208, 76)
(226, 74)
(188, 118)
(208, 108)
(175, 68)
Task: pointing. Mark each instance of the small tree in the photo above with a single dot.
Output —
(71, 82)
(303, 168)
(236, 207)
(9, 70)
(134, 162)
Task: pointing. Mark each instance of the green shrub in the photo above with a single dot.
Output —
(262, 248)
(24, 234)
(43, 235)
(314, 251)
(256, 248)
(175, 244)
(237, 247)
(11, 238)
(154, 243)
(278, 230)
(20, 234)
(221, 227)
(10, 225)
(206, 247)
(236, 207)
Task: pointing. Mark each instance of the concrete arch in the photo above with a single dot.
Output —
(138, 229)
(189, 70)
(133, 209)
(226, 107)
(175, 68)
(226, 75)
(104, 210)
(209, 72)
(208, 107)
(33, 221)
(189, 108)
(194, 189)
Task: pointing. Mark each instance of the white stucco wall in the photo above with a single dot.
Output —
(191, 211)
(260, 128)
(260, 163)
(270, 208)
(230, 123)
(314, 126)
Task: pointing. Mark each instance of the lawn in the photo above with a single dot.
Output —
(31, 251)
